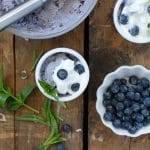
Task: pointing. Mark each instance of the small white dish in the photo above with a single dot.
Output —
(66, 51)
(121, 72)
(126, 35)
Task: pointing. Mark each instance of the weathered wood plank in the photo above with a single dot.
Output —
(107, 52)
(29, 135)
(7, 60)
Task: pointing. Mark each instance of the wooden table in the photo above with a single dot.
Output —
(105, 50)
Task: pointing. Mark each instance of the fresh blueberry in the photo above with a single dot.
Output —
(145, 82)
(139, 88)
(79, 68)
(127, 103)
(123, 88)
(130, 95)
(116, 82)
(114, 102)
(126, 118)
(123, 81)
(123, 19)
(66, 128)
(75, 87)
(142, 106)
(135, 107)
(116, 123)
(145, 94)
(110, 108)
(132, 130)
(147, 121)
(107, 95)
(62, 74)
(139, 117)
(128, 111)
(108, 116)
(148, 9)
(131, 89)
(60, 146)
(120, 97)
(133, 116)
(119, 106)
(145, 112)
(119, 114)
(134, 31)
(126, 124)
(146, 101)
(115, 88)
(138, 125)
(133, 80)
(106, 102)
(137, 96)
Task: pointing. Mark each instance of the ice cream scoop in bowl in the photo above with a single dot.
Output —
(63, 70)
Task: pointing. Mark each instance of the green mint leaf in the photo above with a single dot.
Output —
(32, 118)
(36, 60)
(1, 78)
(49, 89)
(12, 105)
(3, 99)
(148, 25)
(26, 92)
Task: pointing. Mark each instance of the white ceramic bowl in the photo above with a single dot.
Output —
(68, 26)
(124, 33)
(68, 51)
(121, 72)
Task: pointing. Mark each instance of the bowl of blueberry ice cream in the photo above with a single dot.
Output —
(123, 101)
(132, 20)
(65, 70)
(55, 18)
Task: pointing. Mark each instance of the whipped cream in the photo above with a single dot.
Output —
(135, 17)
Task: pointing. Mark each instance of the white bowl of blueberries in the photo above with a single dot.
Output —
(123, 101)
(132, 20)
(62, 74)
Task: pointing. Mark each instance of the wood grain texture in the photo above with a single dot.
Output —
(7, 60)
(30, 135)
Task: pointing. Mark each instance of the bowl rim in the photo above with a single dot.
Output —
(26, 34)
(99, 100)
(51, 53)
(126, 35)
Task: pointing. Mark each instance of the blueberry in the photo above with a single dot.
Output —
(123, 88)
(115, 88)
(114, 102)
(110, 108)
(106, 102)
(139, 117)
(139, 88)
(130, 95)
(126, 118)
(148, 9)
(120, 97)
(66, 128)
(123, 19)
(133, 80)
(145, 94)
(146, 101)
(119, 106)
(138, 125)
(62, 74)
(128, 111)
(137, 96)
(116, 123)
(108, 116)
(145, 112)
(107, 95)
(126, 124)
(142, 106)
(134, 31)
(123, 81)
(60, 146)
(133, 116)
(119, 114)
(145, 82)
(132, 130)
(75, 87)
(127, 103)
(79, 68)
(116, 82)
(135, 107)
(131, 89)
(147, 121)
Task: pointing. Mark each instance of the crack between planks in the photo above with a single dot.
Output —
(86, 98)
